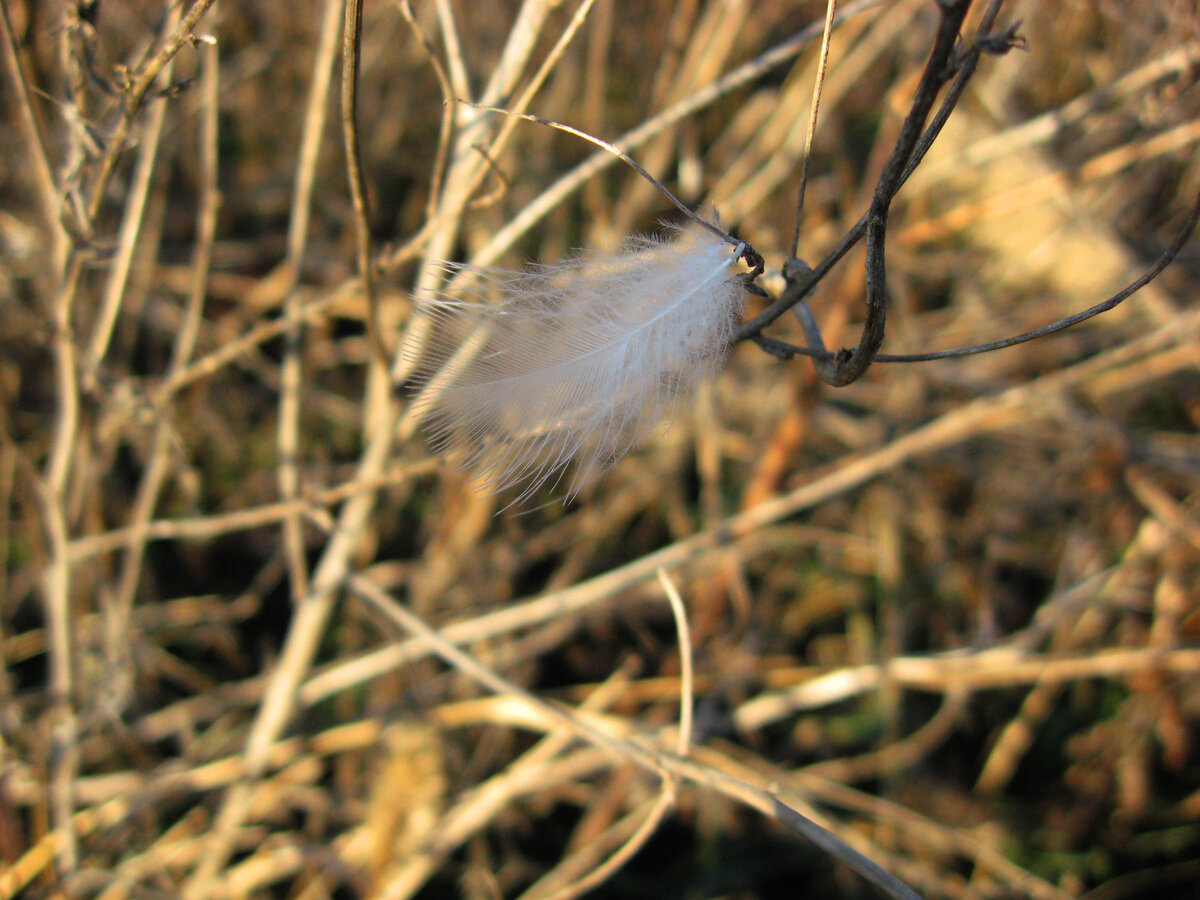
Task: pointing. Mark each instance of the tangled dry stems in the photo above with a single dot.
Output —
(949, 612)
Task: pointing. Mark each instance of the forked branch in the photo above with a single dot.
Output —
(946, 60)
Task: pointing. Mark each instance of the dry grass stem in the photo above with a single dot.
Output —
(936, 628)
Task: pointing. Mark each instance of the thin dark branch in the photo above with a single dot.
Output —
(746, 252)
(848, 368)
(816, 348)
(985, 42)
(799, 279)
(1115, 300)
(439, 71)
(351, 37)
(806, 279)
(132, 103)
(615, 151)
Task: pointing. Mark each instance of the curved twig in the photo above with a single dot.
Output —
(846, 365)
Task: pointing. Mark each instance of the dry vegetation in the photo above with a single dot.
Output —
(950, 611)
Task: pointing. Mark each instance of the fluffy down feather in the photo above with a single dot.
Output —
(577, 360)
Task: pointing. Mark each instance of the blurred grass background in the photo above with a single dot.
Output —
(965, 630)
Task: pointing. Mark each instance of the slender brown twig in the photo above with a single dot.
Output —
(35, 148)
(351, 38)
(811, 130)
(287, 438)
(443, 80)
(134, 97)
(155, 474)
(619, 154)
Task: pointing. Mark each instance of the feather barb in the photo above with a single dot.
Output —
(576, 361)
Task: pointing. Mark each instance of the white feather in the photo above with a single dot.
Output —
(577, 360)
